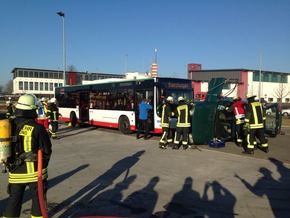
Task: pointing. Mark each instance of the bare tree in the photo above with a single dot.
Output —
(9, 87)
(71, 68)
(281, 91)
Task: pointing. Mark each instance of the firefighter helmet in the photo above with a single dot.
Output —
(52, 100)
(43, 99)
(26, 106)
(250, 95)
(169, 98)
(27, 102)
(181, 98)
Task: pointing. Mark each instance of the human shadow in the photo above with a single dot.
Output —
(141, 203)
(277, 191)
(189, 203)
(107, 203)
(81, 198)
(223, 202)
(51, 183)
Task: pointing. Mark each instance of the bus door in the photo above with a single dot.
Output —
(84, 107)
(146, 93)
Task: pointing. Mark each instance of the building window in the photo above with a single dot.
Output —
(20, 73)
(50, 86)
(31, 74)
(41, 86)
(284, 78)
(36, 85)
(20, 85)
(50, 75)
(287, 100)
(30, 85)
(45, 75)
(265, 77)
(55, 75)
(40, 74)
(279, 99)
(25, 74)
(274, 78)
(45, 86)
(55, 84)
(25, 86)
(36, 74)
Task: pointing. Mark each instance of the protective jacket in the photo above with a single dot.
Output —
(255, 116)
(10, 111)
(166, 114)
(53, 113)
(31, 137)
(182, 113)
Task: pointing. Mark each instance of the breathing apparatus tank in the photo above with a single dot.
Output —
(5, 140)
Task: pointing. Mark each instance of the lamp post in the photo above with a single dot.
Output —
(63, 46)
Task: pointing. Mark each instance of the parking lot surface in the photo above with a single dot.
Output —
(99, 172)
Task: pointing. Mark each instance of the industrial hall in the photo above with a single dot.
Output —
(269, 86)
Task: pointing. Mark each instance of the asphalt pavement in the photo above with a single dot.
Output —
(100, 172)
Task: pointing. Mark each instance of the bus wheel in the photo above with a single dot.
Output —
(73, 119)
(124, 125)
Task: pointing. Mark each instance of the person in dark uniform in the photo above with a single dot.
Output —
(166, 137)
(182, 112)
(254, 125)
(10, 109)
(53, 115)
(23, 163)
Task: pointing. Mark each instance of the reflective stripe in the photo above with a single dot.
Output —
(26, 178)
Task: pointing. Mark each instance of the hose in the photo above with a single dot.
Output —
(40, 185)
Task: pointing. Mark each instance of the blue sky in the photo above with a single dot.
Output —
(107, 35)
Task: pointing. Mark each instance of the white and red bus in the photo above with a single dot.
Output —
(114, 102)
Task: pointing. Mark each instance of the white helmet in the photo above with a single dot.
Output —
(43, 99)
(52, 100)
(250, 95)
(181, 98)
(169, 98)
(27, 102)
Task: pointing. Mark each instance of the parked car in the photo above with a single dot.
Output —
(286, 112)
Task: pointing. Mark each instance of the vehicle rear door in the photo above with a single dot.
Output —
(273, 120)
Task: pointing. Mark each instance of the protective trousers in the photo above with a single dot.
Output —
(16, 192)
(251, 138)
(181, 132)
(166, 137)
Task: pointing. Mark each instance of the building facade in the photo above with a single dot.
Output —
(43, 82)
(266, 85)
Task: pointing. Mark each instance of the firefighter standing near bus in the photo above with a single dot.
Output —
(10, 110)
(254, 125)
(166, 114)
(42, 113)
(53, 115)
(30, 140)
(182, 112)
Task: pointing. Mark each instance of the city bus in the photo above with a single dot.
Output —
(114, 102)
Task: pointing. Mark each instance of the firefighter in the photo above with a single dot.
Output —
(53, 116)
(166, 113)
(238, 110)
(254, 125)
(182, 113)
(10, 110)
(42, 113)
(23, 163)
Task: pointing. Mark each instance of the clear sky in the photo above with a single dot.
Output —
(110, 36)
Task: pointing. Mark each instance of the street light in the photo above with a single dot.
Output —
(63, 46)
